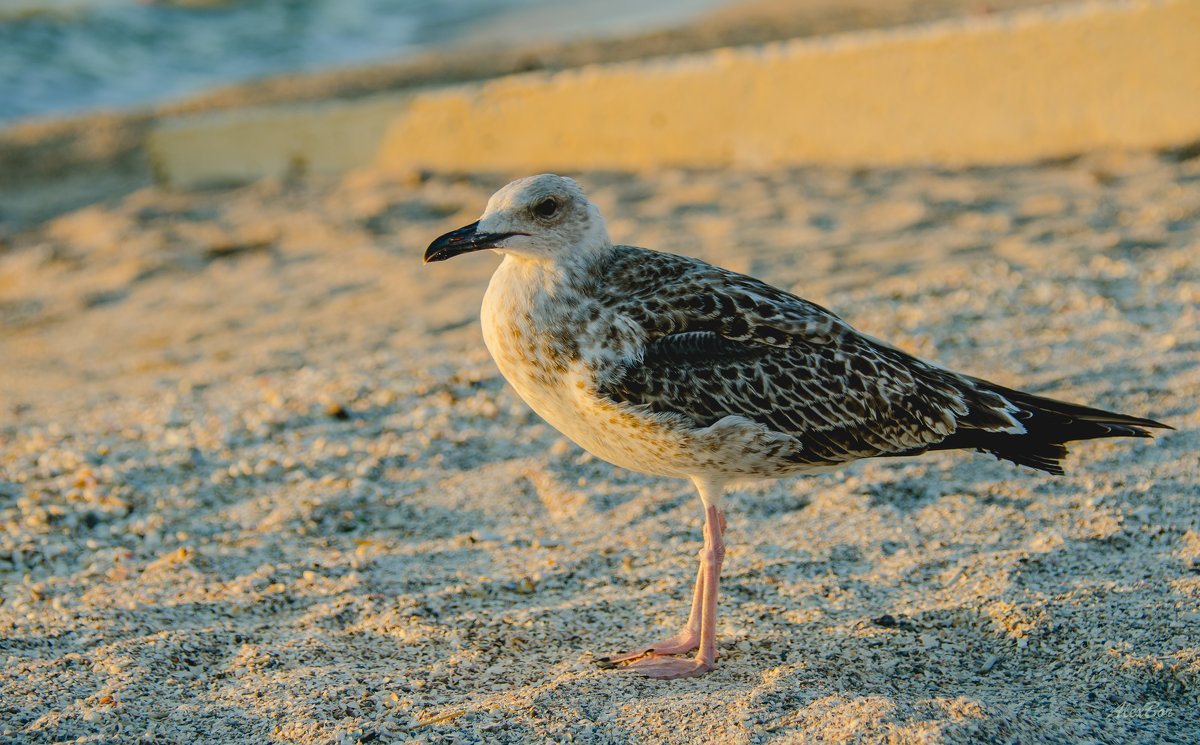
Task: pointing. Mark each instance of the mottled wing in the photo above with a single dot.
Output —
(721, 344)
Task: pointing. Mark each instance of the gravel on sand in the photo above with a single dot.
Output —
(260, 482)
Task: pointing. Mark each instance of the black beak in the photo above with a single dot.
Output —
(461, 241)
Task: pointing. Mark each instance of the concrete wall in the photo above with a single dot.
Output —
(244, 145)
(1001, 89)
(984, 90)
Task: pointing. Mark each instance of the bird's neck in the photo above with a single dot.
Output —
(544, 303)
(561, 280)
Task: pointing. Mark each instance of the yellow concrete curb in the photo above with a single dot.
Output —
(985, 90)
(1029, 85)
(247, 144)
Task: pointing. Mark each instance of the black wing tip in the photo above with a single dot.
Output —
(1123, 425)
(1151, 424)
(1075, 421)
(1048, 456)
(1124, 429)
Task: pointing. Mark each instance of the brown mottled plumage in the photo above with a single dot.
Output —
(668, 365)
(720, 344)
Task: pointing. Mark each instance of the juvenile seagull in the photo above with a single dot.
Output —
(667, 365)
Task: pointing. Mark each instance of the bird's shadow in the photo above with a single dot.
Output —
(907, 493)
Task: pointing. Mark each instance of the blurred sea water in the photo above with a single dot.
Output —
(59, 57)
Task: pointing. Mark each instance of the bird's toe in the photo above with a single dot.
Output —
(668, 668)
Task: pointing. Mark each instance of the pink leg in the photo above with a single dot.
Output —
(685, 641)
(701, 628)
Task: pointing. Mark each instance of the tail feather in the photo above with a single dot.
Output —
(1048, 425)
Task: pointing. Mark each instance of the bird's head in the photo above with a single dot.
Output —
(546, 218)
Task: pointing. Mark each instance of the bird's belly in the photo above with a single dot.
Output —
(614, 432)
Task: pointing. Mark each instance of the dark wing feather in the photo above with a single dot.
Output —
(721, 344)
(840, 400)
(1048, 425)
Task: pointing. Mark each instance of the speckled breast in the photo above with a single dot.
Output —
(550, 376)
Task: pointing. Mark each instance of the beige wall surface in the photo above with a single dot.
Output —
(238, 146)
(986, 90)
(982, 90)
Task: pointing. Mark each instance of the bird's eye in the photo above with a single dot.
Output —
(545, 208)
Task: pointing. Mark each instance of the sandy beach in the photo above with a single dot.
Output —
(260, 482)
